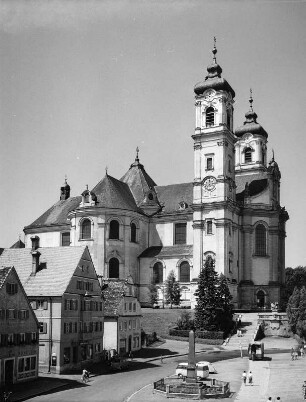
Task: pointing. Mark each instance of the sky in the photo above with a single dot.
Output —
(83, 83)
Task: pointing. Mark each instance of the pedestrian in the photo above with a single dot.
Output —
(269, 399)
(244, 377)
(292, 354)
(85, 376)
(131, 355)
(250, 378)
(295, 354)
(302, 351)
(239, 319)
(161, 359)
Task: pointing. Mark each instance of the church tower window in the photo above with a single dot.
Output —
(248, 155)
(86, 229)
(209, 229)
(133, 232)
(158, 273)
(210, 117)
(260, 240)
(113, 269)
(114, 230)
(185, 272)
(180, 233)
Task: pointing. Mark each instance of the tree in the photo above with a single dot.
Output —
(184, 322)
(172, 290)
(296, 311)
(213, 311)
(206, 310)
(293, 309)
(153, 294)
(226, 307)
(294, 277)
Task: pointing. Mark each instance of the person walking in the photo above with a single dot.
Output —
(250, 378)
(269, 399)
(85, 376)
(278, 399)
(292, 354)
(244, 377)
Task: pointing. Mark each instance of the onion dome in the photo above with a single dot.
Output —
(213, 78)
(250, 125)
(65, 190)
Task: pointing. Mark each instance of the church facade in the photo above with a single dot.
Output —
(139, 231)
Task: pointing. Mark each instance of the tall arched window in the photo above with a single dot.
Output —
(133, 232)
(185, 272)
(158, 272)
(260, 240)
(248, 155)
(86, 229)
(114, 230)
(210, 117)
(113, 268)
(260, 298)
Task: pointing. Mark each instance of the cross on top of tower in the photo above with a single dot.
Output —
(251, 100)
(137, 152)
(214, 51)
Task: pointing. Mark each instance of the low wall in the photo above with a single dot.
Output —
(275, 324)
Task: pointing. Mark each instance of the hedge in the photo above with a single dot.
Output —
(199, 334)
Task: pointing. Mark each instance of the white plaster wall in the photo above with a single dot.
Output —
(46, 239)
(110, 340)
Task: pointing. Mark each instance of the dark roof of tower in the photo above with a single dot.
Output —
(256, 183)
(172, 195)
(138, 181)
(18, 244)
(113, 193)
(57, 214)
(213, 79)
(250, 125)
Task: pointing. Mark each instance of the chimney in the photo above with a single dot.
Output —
(35, 254)
(35, 261)
(35, 242)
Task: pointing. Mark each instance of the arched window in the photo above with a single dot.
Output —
(114, 230)
(228, 118)
(158, 273)
(210, 117)
(113, 268)
(260, 240)
(260, 298)
(133, 232)
(248, 155)
(185, 272)
(86, 229)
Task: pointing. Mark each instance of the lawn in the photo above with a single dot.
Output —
(160, 320)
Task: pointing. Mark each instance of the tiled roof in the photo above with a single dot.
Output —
(57, 214)
(169, 251)
(3, 275)
(113, 193)
(53, 280)
(170, 196)
(113, 296)
(257, 183)
(139, 181)
(18, 244)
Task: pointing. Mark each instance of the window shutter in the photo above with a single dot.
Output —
(45, 305)
(45, 327)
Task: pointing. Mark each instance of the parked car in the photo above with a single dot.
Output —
(202, 369)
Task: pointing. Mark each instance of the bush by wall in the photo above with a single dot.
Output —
(199, 334)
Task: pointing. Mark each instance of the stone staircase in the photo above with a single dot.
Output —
(248, 329)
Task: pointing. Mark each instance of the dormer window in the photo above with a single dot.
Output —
(210, 117)
(248, 155)
(150, 197)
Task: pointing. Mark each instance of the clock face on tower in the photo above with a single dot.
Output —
(209, 183)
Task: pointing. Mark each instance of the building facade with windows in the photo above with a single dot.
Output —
(122, 317)
(18, 332)
(231, 210)
(65, 294)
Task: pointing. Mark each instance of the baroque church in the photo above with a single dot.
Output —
(139, 231)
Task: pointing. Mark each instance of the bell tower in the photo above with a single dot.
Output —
(214, 170)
